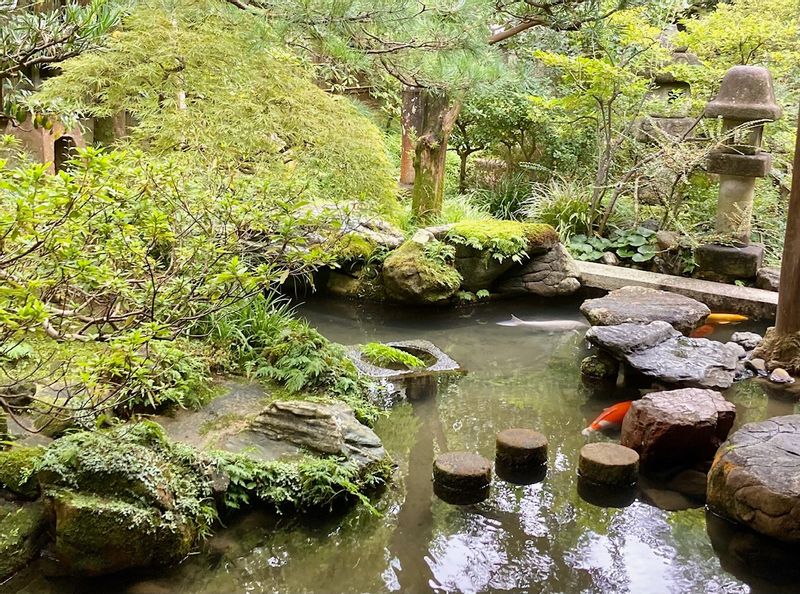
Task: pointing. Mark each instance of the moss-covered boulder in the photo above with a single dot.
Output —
(125, 498)
(17, 476)
(485, 250)
(421, 271)
(97, 535)
(22, 530)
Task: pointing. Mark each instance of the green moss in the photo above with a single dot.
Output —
(421, 273)
(384, 355)
(17, 471)
(354, 247)
(21, 531)
(503, 239)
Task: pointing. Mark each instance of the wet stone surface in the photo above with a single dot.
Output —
(677, 427)
(608, 464)
(462, 477)
(754, 478)
(643, 305)
(520, 448)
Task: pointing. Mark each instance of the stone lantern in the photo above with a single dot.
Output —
(745, 102)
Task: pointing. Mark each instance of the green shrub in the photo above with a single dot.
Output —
(562, 204)
(137, 372)
(505, 200)
(384, 355)
(267, 343)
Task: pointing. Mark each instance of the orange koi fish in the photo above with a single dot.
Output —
(723, 318)
(610, 417)
(702, 331)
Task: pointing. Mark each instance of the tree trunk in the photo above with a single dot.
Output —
(781, 345)
(411, 122)
(462, 172)
(430, 152)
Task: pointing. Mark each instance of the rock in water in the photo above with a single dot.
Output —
(642, 305)
(22, 527)
(677, 427)
(409, 276)
(462, 477)
(608, 464)
(324, 428)
(781, 376)
(748, 340)
(660, 352)
(754, 478)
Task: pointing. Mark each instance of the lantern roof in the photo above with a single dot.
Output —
(745, 94)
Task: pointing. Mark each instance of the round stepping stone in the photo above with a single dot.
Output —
(520, 448)
(608, 464)
(462, 477)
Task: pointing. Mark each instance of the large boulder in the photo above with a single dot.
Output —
(661, 353)
(551, 274)
(125, 498)
(642, 305)
(412, 275)
(677, 427)
(754, 478)
(22, 531)
(323, 428)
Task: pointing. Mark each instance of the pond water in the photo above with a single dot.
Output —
(542, 537)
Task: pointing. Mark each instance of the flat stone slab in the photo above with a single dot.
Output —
(442, 362)
(660, 352)
(749, 301)
(642, 305)
(323, 428)
(520, 448)
(608, 464)
(755, 478)
(677, 427)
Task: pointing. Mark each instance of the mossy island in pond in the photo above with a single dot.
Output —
(421, 272)
(387, 356)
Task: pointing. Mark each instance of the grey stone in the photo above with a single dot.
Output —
(661, 353)
(610, 259)
(759, 366)
(691, 483)
(553, 273)
(667, 240)
(643, 305)
(745, 93)
(677, 427)
(748, 340)
(668, 500)
(324, 428)
(758, 165)
(478, 268)
(768, 278)
(424, 349)
(737, 349)
(22, 527)
(727, 262)
(780, 376)
(754, 478)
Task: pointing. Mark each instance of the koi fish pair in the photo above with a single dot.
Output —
(714, 320)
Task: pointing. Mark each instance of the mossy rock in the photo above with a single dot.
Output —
(96, 535)
(410, 276)
(17, 474)
(353, 246)
(504, 239)
(22, 531)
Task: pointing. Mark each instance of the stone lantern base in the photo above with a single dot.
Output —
(725, 263)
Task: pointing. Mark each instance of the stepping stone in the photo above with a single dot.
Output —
(608, 464)
(520, 449)
(462, 477)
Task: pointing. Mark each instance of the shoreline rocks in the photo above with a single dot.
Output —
(753, 479)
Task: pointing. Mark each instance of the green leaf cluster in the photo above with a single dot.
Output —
(384, 355)
(502, 239)
(636, 245)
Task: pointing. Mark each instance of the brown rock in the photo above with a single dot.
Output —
(520, 448)
(461, 477)
(678, 426)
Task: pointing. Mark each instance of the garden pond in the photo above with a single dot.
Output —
(543, 537)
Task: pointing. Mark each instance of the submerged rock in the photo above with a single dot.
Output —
(753, 479)
(22, 531)
(660, 352)
(748, 340)
(324, 428)
(601, 366)
(642, 305)
(677, 427)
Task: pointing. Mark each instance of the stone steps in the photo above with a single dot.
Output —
(719, 297)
